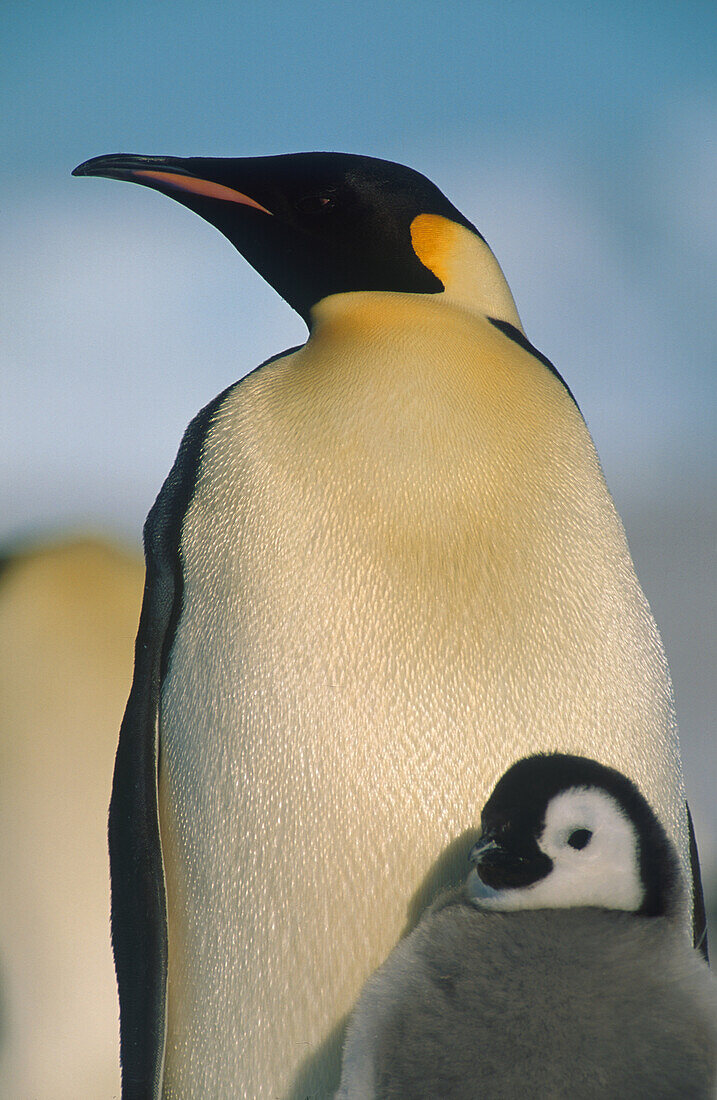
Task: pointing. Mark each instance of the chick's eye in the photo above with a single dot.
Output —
(314, 204)
(579, 838)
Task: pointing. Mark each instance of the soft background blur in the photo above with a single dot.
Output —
(580, 139)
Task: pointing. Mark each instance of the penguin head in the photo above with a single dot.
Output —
(317, 224)
(563, 831)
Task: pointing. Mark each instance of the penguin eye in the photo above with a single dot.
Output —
(580, 838)
(316, 203)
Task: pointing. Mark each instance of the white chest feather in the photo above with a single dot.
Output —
(402, 572)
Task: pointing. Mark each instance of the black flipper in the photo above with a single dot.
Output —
(139, 922)
(139, 909)
(699, 915)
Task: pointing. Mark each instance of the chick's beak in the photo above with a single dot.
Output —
(482, 849)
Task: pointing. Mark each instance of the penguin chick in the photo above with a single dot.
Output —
(559, 970)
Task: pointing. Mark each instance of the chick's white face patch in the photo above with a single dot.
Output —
(604, 868)
(594, 849)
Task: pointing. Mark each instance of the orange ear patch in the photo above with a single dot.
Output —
(434, 239)
(199, 187)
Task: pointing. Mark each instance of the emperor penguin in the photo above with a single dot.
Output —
(560, 970)
(384, 565)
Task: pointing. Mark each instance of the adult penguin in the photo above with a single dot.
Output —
(383, 566)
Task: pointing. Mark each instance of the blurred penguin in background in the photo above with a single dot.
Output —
(559, 971)
(68, 616)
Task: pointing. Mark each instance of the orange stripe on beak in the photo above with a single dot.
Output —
(199, 187)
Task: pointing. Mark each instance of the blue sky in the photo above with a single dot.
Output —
(428, 78)
(580, 139)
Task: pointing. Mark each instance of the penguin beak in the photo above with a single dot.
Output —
(500, 863)
(484, 850)
(168, 174)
